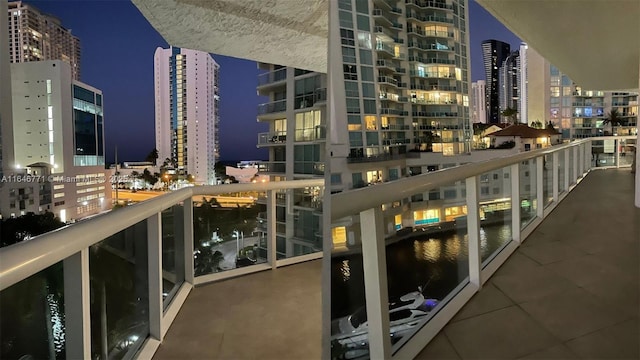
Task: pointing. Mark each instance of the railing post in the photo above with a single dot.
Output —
(555, 176)
(582, 160)
(574, 176)
(374, 264)
(540, 186)
(154, 246)
(77, 305)
(272, 257)
(617, 144)
(567, 181)
(473, 229)
(189, 271)
(515, 202)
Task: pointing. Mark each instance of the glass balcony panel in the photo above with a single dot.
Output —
(305, 231)
(427, 258)
(118, 268)
(561, 168)
(547, 180)
(604, 152)
(626, 151)
(172, 252)
(228, 232)
(349, 332)
(32, 317)
(494, 207)
(572, 176)
(528, 192)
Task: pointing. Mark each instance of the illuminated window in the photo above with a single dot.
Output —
(370, 123)
(339, 235)
(398, 221)
(425, 217)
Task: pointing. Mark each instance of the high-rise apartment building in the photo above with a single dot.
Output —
(577, 112)
(34, 36)
(509, 83)
(523, 99)
(297, 116)
(58, 144)
(187, 111)
(403, 84)
(494, 53)
(478, 102)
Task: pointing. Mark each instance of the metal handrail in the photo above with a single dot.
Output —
(353, 202)
(21, 260)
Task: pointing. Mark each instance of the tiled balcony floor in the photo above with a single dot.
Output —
(570, 291)
(272, 314)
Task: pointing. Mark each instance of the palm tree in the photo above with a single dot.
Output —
(613, 118)
(510, 114)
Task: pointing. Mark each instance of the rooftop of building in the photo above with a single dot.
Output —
(525, 131)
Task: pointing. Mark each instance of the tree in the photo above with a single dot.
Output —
(613, 118)
(536, 124)
(550, 126)
(14, 230)
(510, 114)
(152, 156)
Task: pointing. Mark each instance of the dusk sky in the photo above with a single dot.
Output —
(118, 44)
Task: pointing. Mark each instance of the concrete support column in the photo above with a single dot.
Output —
(77, 305)
(374, 264)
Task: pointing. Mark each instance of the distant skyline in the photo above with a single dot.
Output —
(117, 57)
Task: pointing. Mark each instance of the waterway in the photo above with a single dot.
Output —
(438, 262)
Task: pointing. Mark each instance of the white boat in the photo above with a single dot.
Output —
(352, 331)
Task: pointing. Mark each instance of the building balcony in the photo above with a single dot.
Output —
(432, 87)
(387, 80)
(496, 252)
(392, 111)
(430, 47)
(375, 158)
(422, 4)
(275, 77)
(428, 19)
(272, 108)
(419, 31)
(272, 139)
(422, 74)
(485, 251)
(433, 102)
(380, 17)
(272, 167)
(431, 60)
(316, 133)
(125, 275)
(434, 114)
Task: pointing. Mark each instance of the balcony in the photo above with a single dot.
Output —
(273, 107)
(126, 275)
(272, 139)
(584, 302)
(272, 167)
(428, 19)
(432, 87)
(422, 32)
(428, 4)
(581, 270)
(274, 77)
(431, 60)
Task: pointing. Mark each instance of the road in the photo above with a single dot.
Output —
(229, 250)
(138, 196)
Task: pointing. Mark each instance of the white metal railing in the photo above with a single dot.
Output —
(71, 245)
(554, 172)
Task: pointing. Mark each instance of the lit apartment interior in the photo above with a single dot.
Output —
(565, 173)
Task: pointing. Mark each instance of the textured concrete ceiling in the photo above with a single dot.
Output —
(595, 42)
(286, 32)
